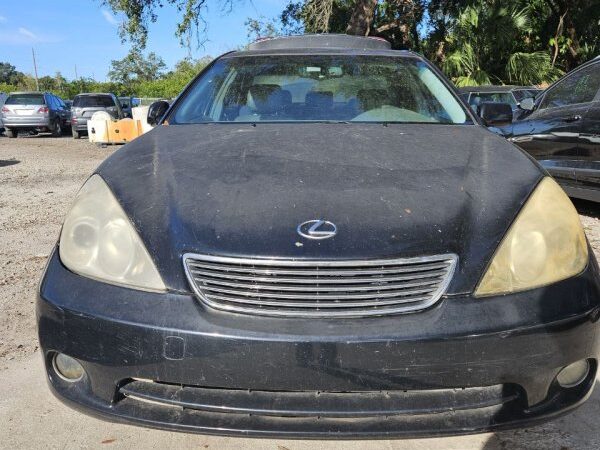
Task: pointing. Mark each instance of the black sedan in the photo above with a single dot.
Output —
(319, 239)
(561, 129)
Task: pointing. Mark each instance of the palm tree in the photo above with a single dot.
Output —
(487, 44)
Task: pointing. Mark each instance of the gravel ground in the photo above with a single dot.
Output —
(39, 177)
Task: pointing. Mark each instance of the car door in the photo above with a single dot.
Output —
(588, 173)
(65, 114)
(552, 132)
(52, 108)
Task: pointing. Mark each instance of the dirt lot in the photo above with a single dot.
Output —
(39, 177)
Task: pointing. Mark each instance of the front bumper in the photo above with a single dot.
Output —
(465, 365)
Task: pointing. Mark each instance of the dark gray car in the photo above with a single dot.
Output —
(34, 112)
(85, 105)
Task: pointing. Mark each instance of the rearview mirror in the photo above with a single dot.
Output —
(156, 111)
(527, 104)
(495, 114)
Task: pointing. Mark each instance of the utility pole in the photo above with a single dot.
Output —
(37, 83)
(76, 77)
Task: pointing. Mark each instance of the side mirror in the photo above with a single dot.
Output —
(527, 104)
(495, 114)
(156, 111)
(124, 105)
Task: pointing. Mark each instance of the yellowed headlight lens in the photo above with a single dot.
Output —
(99, 241)
(545, 244)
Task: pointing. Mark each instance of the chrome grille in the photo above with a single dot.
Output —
(318, 288)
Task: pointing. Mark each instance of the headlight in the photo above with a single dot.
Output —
(545, 244)
(98, 241)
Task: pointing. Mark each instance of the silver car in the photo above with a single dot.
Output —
(85, 105)
(34, 112)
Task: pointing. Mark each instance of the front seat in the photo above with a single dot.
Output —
(264, 102)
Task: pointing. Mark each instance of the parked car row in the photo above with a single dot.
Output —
(34, 112)
(560, 127)
(39, 112)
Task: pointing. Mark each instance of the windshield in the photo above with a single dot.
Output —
(93, 101)
(319, 88)
(25, 99)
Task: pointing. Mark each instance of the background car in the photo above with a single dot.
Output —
(34, 112)
(562, 130)
(513, 95)
(85, 105)
(126, 104)
(3, 97)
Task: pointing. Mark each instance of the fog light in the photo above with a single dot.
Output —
(573, 374)
(67, 368)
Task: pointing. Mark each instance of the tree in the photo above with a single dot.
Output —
(136, 68)
(485, 45)
(140, 13)
(9, 74)
(362, 17)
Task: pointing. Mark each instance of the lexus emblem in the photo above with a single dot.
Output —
(317, 229)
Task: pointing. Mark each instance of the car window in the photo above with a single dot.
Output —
(521, 94)
(93, 101)
(319, 88)
(495, 97)
(579, 87)
(25, 99)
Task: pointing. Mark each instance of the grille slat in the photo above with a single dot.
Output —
(379, 286)
(325, 270)
(320, 304)
(319, 288)
(317, 295)
(319, 279)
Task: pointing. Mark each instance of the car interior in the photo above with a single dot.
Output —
(320, 92)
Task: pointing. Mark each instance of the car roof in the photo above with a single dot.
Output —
(315, 44)
(307, 41)
(93, 93)
(29, 92)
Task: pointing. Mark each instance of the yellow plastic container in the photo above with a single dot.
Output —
(102, 129)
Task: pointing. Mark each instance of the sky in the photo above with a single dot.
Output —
(83, 33)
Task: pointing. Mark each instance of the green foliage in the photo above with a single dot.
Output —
(135, 68)
(141, 13)
(484, 46)
(142, 84)
(172, 83)
(9, 74)
(473, 41)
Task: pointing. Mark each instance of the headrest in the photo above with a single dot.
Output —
(372, 98)
(266, 98)
(320, 99)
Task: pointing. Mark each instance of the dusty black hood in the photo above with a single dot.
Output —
(397, 190)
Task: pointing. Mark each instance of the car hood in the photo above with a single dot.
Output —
(399, 190)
